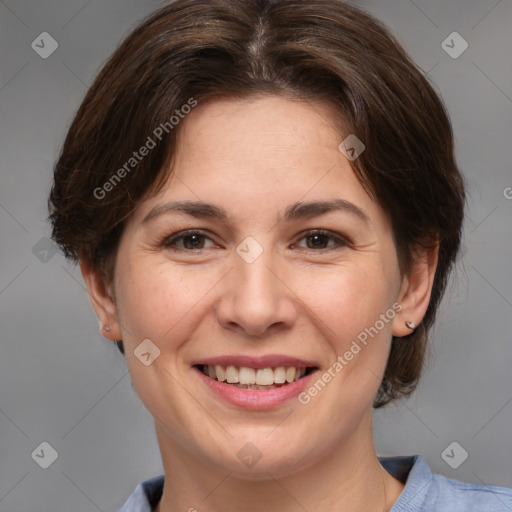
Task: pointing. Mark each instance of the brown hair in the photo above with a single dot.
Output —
(323, 50)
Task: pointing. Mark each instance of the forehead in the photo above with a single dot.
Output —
(261, 153)
(272, 130)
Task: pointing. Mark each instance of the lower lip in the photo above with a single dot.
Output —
(256, 399)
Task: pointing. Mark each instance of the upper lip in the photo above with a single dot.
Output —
(267, 361)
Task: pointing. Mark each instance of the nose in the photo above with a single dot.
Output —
(257, 299)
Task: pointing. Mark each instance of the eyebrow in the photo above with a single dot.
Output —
(296, 211)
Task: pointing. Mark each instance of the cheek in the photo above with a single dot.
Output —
(349, 299)
(355, 305)
(165, 303)
(158, 300)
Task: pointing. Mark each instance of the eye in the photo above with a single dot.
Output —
(322, 240)
(194, 240)
(191, 240)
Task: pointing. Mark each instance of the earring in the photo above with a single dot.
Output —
(106, 328)
(411, 325)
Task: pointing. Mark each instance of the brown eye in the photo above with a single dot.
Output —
(317, 241)
(321, 240)
(193, 241)
(186, 241)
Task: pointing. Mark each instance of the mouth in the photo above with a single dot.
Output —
(250, 378)
(255, 383)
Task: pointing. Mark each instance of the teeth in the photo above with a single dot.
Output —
(251, 378)
(232, 375)
(290, 374)
(280, 375)
(265, 377)
(219, 370)
(248, 376)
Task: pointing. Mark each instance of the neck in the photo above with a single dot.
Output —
(348, 479)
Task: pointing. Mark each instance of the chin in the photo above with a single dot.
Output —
(264, 456)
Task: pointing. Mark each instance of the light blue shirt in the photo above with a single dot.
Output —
(423, 491)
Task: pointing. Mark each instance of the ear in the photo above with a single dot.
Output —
(416, 290)
(102, 300)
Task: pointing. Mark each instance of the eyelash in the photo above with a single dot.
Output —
(169, 241)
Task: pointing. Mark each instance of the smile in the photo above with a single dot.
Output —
(255, 383)
(255, 378)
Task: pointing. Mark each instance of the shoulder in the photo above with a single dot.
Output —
(145, 496)
(425, 491)
(471, 497)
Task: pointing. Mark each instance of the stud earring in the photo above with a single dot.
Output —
(411, 325)
(106, 328)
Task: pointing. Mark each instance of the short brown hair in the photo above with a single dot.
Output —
(323, 50)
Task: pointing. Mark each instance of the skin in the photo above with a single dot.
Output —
(254, 158)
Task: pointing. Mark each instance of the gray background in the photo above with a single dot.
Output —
(62, 383)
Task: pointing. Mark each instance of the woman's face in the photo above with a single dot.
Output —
(249, 273)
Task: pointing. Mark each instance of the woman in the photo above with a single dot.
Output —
(265, 205)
